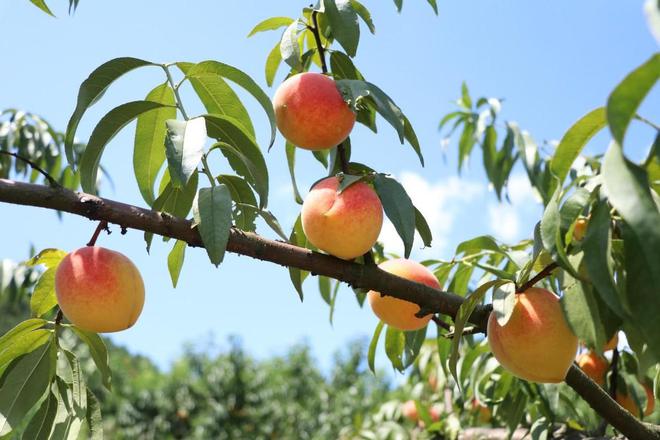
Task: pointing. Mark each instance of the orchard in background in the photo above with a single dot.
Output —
(589, 272)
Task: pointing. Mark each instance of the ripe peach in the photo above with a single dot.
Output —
(626, 401)
(594, 366)
(397, 312)
(345, 225)
(311, 113)
(99, 290)
(580, 228)
(613, 343)
(409, 410)
(536, 343)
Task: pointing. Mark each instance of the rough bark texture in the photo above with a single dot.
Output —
(285, 254)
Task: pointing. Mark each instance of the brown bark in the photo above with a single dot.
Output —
(285, 254)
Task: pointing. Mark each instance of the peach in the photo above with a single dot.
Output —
(396, 312)
(626, 401)
(345, 225)
(536, 343)
(311, 113)
(99, 290)
(409, 410)
(580, 228)
(594, 366)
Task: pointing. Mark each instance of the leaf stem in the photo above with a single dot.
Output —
(175, 88)
(206, 170)
(647, 122)
(539, 276)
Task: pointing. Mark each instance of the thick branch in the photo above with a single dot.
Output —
(240, 242)
(285, 254)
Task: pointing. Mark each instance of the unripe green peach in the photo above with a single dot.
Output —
(99, 290)
(345, 225)
(396, 312)
(311, 113)
(536, 343)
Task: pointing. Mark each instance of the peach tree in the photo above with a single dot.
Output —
(589, 272)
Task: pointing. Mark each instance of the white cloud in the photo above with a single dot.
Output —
(505, 217)
(504, 222)
(438, 202)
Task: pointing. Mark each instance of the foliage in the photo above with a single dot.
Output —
(607, 280)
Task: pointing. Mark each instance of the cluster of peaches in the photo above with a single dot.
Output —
(101, 290)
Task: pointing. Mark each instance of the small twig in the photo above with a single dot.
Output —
(36, 167)
(440, 323)
(539, 276)
(614, 368)
(317, 37)
(58, 317)
(101, 226)
(206, 170)
(175, 88)
(341, 149)
(466, 331)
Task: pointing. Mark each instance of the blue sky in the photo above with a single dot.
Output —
(551, 61)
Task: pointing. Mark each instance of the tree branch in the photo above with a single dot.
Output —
(285, 254)
(539, 276)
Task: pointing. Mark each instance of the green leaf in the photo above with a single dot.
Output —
(398, 4)
(629, 94)
(582, 312)
(465, 100)
(291, 161)
(290, 48)
(344, 23)
(410, 135)
(99, 353)
(212, 212)
(478, 244)
(423, 228)
(597, 245)
(24, 386)
(175, 260)
(371, 356)
(395, 342)
(93, 417)
(91, 91)
(41, 4)
(504, 298)
(42, 422)
(434, 5)
(342, 67)
(24, 327)
(273, 62)
(414, 341)
(298, 238)
(43, 297)
(325, 288)
(245, 157)
(241, 79)
(466, 143)
(333, 300)
(241, 194)
(398, 207)
(628, 191)
(573, 142)
(105, 130)
(184, 148)
(364, 14)
(461, 319)
(217, 96)
(148, 151)
(177, 201)
(22, 343)
(271, 24)
(48, 257)
(358, 93)
(642, 289)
